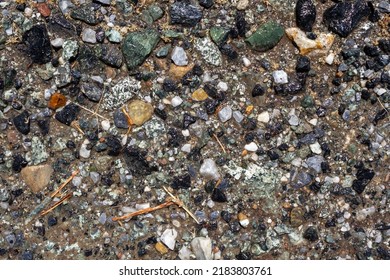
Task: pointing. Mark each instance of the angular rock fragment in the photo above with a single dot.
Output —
(68, 114)
(37, 177)
(22, 122)
(138, 45)
(137, 163)
(305, 14)
(342, 18)
(184, 12)
(38, 44)
(305, 45)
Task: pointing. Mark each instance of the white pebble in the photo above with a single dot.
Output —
(179, 56)
(225, 114)
(238, 116)
(105, 125)
(329, 59)
(176, 101)
(316, 148)
(251, 147)
(57, 43)
(186, 148)
(222, 86)
(209, 169)
(246, 61)
(280, 77)
(169, 238)
(263, 117)
(84, 152)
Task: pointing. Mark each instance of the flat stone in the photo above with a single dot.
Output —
(199, 95)
(36, 177)
(225, 114)
(176, 101)
(316, 148)
(89, 36)
(139, 111)
(201, 246)
(57, 43)
(69, 49)
(110, 54)
(219, 34)
(114, 36)
(266, 36)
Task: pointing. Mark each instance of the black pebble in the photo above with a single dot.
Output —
(218, 195)
(258, 90)
(169, 85)
(305, 14)
(120, 119)
(229, 51)
(188, 120)
(22, 122)
(181, 182)
(185, 13)
(343, 17)
(175, 139)
(44, 125)
(244, 256)
(160, 113)
(137, 163)
(363, 178)
(68, 114)
(27, 255)
(18, 163)
(384, 45)
(241, 24)
(380, 116)
(371, 50)
(38, 44)
(303, 64)
(51, 221)
(211, 105)
(206, 3)
(311, 234)
(114, 144)
(226, 216)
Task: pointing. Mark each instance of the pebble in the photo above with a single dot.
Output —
(242, 5)
(161, 248)
(238, 116)
(95, 177)
(330, 58)
(38, 44)
(185, 13)
(22, 122)
(176, 101)
(186, 148)
(89, 36)
(169, 238)
(264, 117)
(222, 86)
(251, 147)
(114, 36)
(76, 181)
(322, 43)
(311, 234)
(280, 77)
(246, 61)
(316, 148)
(68, 114)
(185, 253)
(225, 114)
(84, 152)
(305, 14)
(209, 170)
(266, 36)
(201, 246)
(179, 56)
(293, 120)
(105, 125)
(243, 220)
(36, 177)
(199, 95)
(139, 111)
(57, 43)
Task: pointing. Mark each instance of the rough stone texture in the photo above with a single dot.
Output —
(201, 246)
(139, 111)
(37, 177)
(38, 44)
(185, 13)
(266, 36)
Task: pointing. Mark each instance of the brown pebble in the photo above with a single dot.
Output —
(296, 217)
(199, 95)
(43, 9)
(57, 100)
(139, 111)
(161, 248)
(37, 177)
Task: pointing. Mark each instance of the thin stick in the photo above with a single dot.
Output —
(92, 112)
(75, 125)
(219, 142)
(179, 203)
(64, 183)
(143, 211)
(55, 205)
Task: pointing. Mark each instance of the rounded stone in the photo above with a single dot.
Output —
(139, 111)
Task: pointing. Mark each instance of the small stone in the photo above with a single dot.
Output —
(95, 177)
(311, 234)
(176, 101)
(206, 3)
(57, 43)
(68, 114)
(169, 238)
(43, 9)
(251, 147)
(105, 125)
(201, 246)
(161, 248)
(104, 2)
(297, 217)
(76, 181)
(218, 195)
(22, 122)
(70, 49)
(209, 51)
(316, 148)
(163, 51)
(300, 179)
(243, 220)
(209, 170)
(84, 152)
(179, 56)
(343, 17)
(36, 177)
(114, 36)
(219, 35)
(303, 64)
(238, 116)
(199, 95)
(293, 120)
(38, 44)
(246, 62)
(86, 13)
(315, 162)
(155, 12)
(280, 77)
(222, 86)
(242, 4)
(185, 13)
(321, 44)
(330, 58)
(138, 45)
(225, 114)
(185, 253)
(57, 100)
(88, 35)
(305, 14)
(266, 36)
(139, 111)
(263, 117)
(110, 54)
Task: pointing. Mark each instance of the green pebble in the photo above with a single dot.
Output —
(266, 36)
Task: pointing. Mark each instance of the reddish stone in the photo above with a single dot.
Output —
(57, 100)
(43, 9)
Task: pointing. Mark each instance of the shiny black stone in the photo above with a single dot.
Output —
(305, 14)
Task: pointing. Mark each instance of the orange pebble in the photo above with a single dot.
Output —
(57, 100)
(43, 9)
